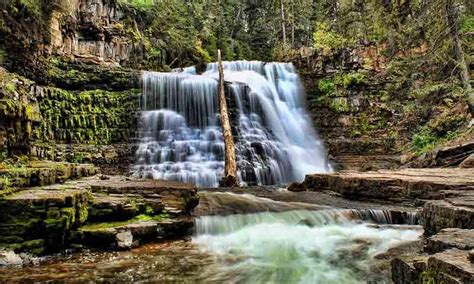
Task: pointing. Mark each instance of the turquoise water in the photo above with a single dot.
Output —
(295, 247)
(302, 246)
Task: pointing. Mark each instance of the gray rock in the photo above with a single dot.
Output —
(124, 240)
(9, 258)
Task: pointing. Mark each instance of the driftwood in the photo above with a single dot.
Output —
(230, 168)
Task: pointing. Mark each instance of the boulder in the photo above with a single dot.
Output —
(124, 240)
(9, 258)
(468, 162)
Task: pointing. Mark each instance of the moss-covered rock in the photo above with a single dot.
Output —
(40, 220)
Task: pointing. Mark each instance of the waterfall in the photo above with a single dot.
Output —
(181, 139)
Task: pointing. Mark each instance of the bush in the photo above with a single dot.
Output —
(353, 79)
(326, 86)
(327, 40)
(424, 140)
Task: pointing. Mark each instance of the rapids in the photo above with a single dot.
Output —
(296, 246)
(181, 139)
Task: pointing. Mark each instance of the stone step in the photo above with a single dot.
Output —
(454, 212)
(450, 238)
(38, 220)
(451, 266)
(105, 207)
(131, 233)
(50, 218)
(395, 185)
(42, 173)
(179, 197)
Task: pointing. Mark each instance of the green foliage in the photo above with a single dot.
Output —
(352, 79)
(5, 183)
(424, 140)
(467, 24)
(139, 4)
(327, 40)
(326, 86)
(340, 105)
(33, 6)
(3, 56)
(429, 276)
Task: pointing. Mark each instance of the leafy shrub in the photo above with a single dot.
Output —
(326, 86)
(424, 140)
(353, 79)
(139, 4)
(327, 40)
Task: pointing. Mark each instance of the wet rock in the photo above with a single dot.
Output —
(394, 185)
(41, 173)
(179, 198)
(9, 258)
(296, 187)
(50, 218)
(38, 220)
(124, 235)
(451, 266)
(450, 238)
(455, 212)
(407, 270)
(124, 240)
(468, 162)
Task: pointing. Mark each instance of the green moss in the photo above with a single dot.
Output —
(139, 218)
(10, 87)
(429, 276)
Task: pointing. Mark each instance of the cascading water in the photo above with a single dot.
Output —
(180, 131)
(327, 246)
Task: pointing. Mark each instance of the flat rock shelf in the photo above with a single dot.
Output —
(101, 211)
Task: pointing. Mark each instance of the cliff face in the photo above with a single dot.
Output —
(75, 102)
(362, 104)
(87, 31)
(94, 31)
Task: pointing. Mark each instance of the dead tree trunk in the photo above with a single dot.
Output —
(283, 28)
(230, 167)
(452, 16)
(292, 24)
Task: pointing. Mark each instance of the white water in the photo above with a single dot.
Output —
(294, 247)
(180, 131)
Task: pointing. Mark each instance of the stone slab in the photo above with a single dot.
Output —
(452, 266)
(450, 238)
(394, 185)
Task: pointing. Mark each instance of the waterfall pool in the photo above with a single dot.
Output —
(298, 246)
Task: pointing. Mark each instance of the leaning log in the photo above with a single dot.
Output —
(230, 168)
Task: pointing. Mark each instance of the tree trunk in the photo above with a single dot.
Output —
(230, 167)
(283, 28)
(452, 16)
(292, 23)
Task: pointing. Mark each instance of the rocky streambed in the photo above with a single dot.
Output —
(345, 227)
